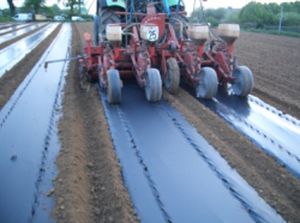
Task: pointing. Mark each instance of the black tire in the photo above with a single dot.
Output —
(243, 81)
(172, 78)
(114, 86)
(175, 21)
(107, 16)
(208, 83)
(96, 30)
(153, 88)
(83, 77)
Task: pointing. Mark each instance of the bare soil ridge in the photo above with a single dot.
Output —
(89, 187)
(274, 61)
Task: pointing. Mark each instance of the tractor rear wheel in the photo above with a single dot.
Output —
(208, 83)
(153, 88)
(107, 16)
(114, 86)
(96, 30)
(243, 81)
(180, 25)
(172, 78)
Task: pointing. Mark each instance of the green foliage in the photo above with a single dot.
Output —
(292, 19)
(291, 7)
(272, 8)
(269, 14)
(5, 15)
(48, 11)
(75, 7)
(257, 13)
(215, 16)
(5, 19)
(12, 7)
(212, 21)
(34, 6)
(51, 11)
(5, 12)
(232, 16)
(254, 14)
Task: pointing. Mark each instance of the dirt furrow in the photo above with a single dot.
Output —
(89, 186)
(274, 61)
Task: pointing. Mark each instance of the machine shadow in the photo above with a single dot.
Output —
(231, 103)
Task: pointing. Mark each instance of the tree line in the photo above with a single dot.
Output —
(39, 7)
(255, 14)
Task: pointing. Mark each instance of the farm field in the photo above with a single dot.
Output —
(80, 159)
(274, 61)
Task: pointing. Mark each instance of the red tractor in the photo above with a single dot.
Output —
(153, 42)
(221, 57)
(207, 60)
(192, 40)
(178, 54)
(121, 51)
(142, 42)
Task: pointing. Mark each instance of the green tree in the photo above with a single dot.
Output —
(291, 7)
(213, 16)
(287, 7)
(75, 6)
(273, 8)
(291, 19)
(55, 9)
(256, 13)
(12, 7)
(51, 11)
(232, 16)
(253, 14)
(217, 14)
(34, 5)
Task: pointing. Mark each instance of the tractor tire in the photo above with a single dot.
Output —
(175, 21)
(172, 78)
(83, 78)
(153, 88)
(243, 81)
(96, 30)
(107, 16)
(114, 86)
(208, 83)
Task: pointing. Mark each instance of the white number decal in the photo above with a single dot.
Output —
(152, 34)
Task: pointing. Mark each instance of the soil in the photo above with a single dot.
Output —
(274, 61)
(7, 43)
(89, 187)
(12, 78)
